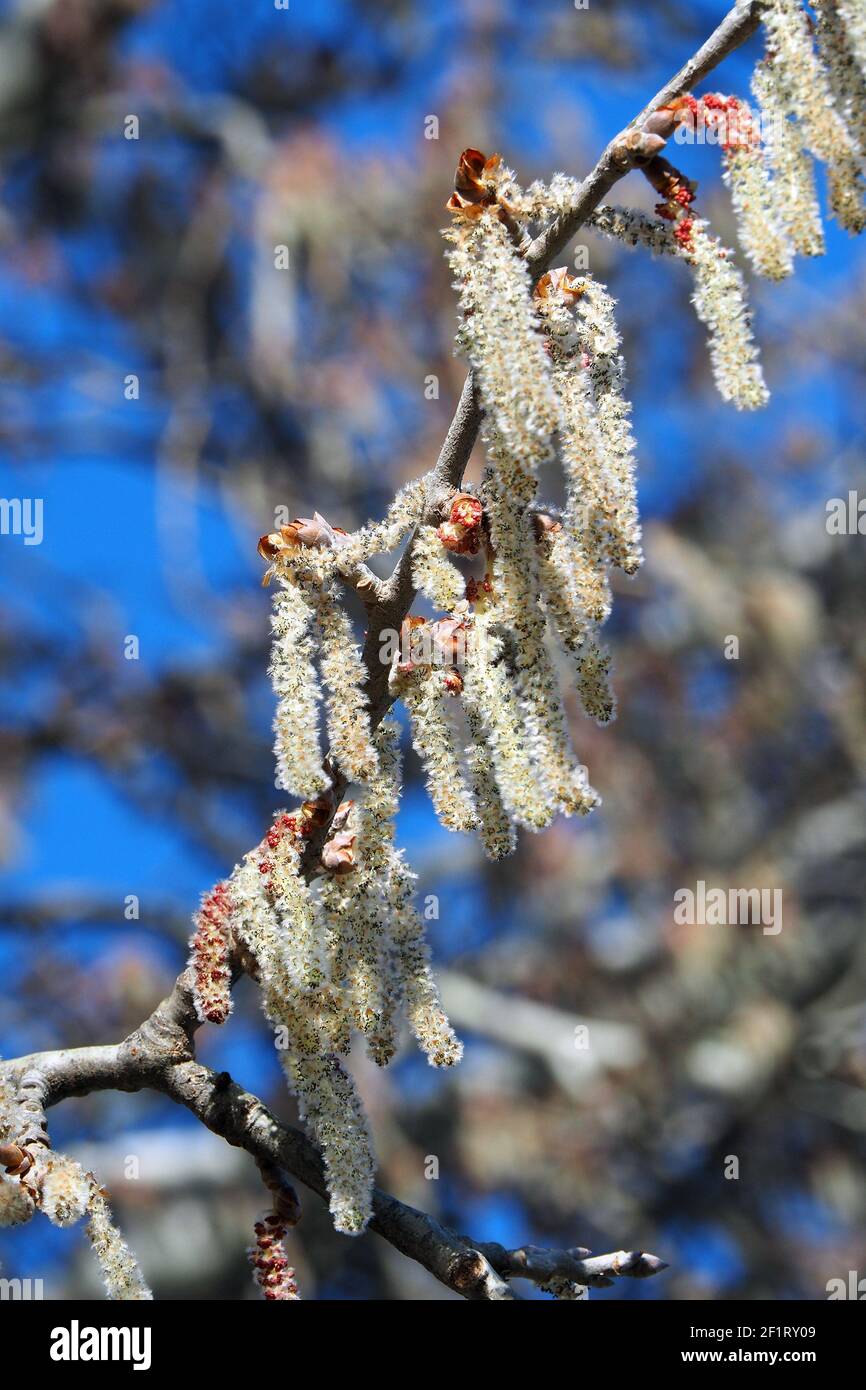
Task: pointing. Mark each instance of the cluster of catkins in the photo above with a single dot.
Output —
(810, 104)
(332, 935)
(34, 1178)
(336, 944)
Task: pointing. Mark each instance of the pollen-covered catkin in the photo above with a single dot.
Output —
(853, 16)
(490, 689)
(588, 479)
(16, 1203)
(806, 92)
(294, 954)
(414, 982)
(500, 335)
(518, 607)
(562, 596)
(433, 571)
(836, 49)
(118, 1266)
(593, 682)
(296, 686)
(794, 190)
(435, 741)
(595, 310)
(495, 827)
(746, 172)
(65, 1190)
(720, 303)
(377, 537)
(635, 228)
(331, 1106)
(344, 674)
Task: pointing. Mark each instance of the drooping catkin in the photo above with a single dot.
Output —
(589, 483)
(16, 1203)
(210, 957)
(719, 299)
(490, 690)
(495, 827)
(845, 74)
(434, 739)
(272, 1272)
(593, 682)
(635, 228)
(329, 1103)
(433, 571)
(595, 309)
(562, 595)
(795, 193)
(355, 904)
(344, 674)
(746, 172)
(296, 686)
(118, 1266)
(853, 17)
(296, 951)
(806, 92)
(352, 914)
(414, 984)
(517, 605)
(720, 303)
(65, 1190)
(499, 334)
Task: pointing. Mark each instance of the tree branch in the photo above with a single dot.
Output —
(160, 1056)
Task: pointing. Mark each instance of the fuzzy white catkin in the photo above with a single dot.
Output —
(377, 537)
(596, 311)
(121, 1275)
(65, 1190)
(515, 577)
(561, 596)
(499, 334)
(491, 691)
(296, 686)
(838, 30)
(433, 571)
(7, 1108)
(357, 911)
(495, 826)
(352, 915)
(593, 682)
(344, 674)
(635, 229)
(807, 95)
(329, 1102)
(16, 1204)
(720, 303)
(589, 484)
(853, 15)
(414, 982)
(544, 200)
(746, 172)
(435, 742)
(794, 190)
